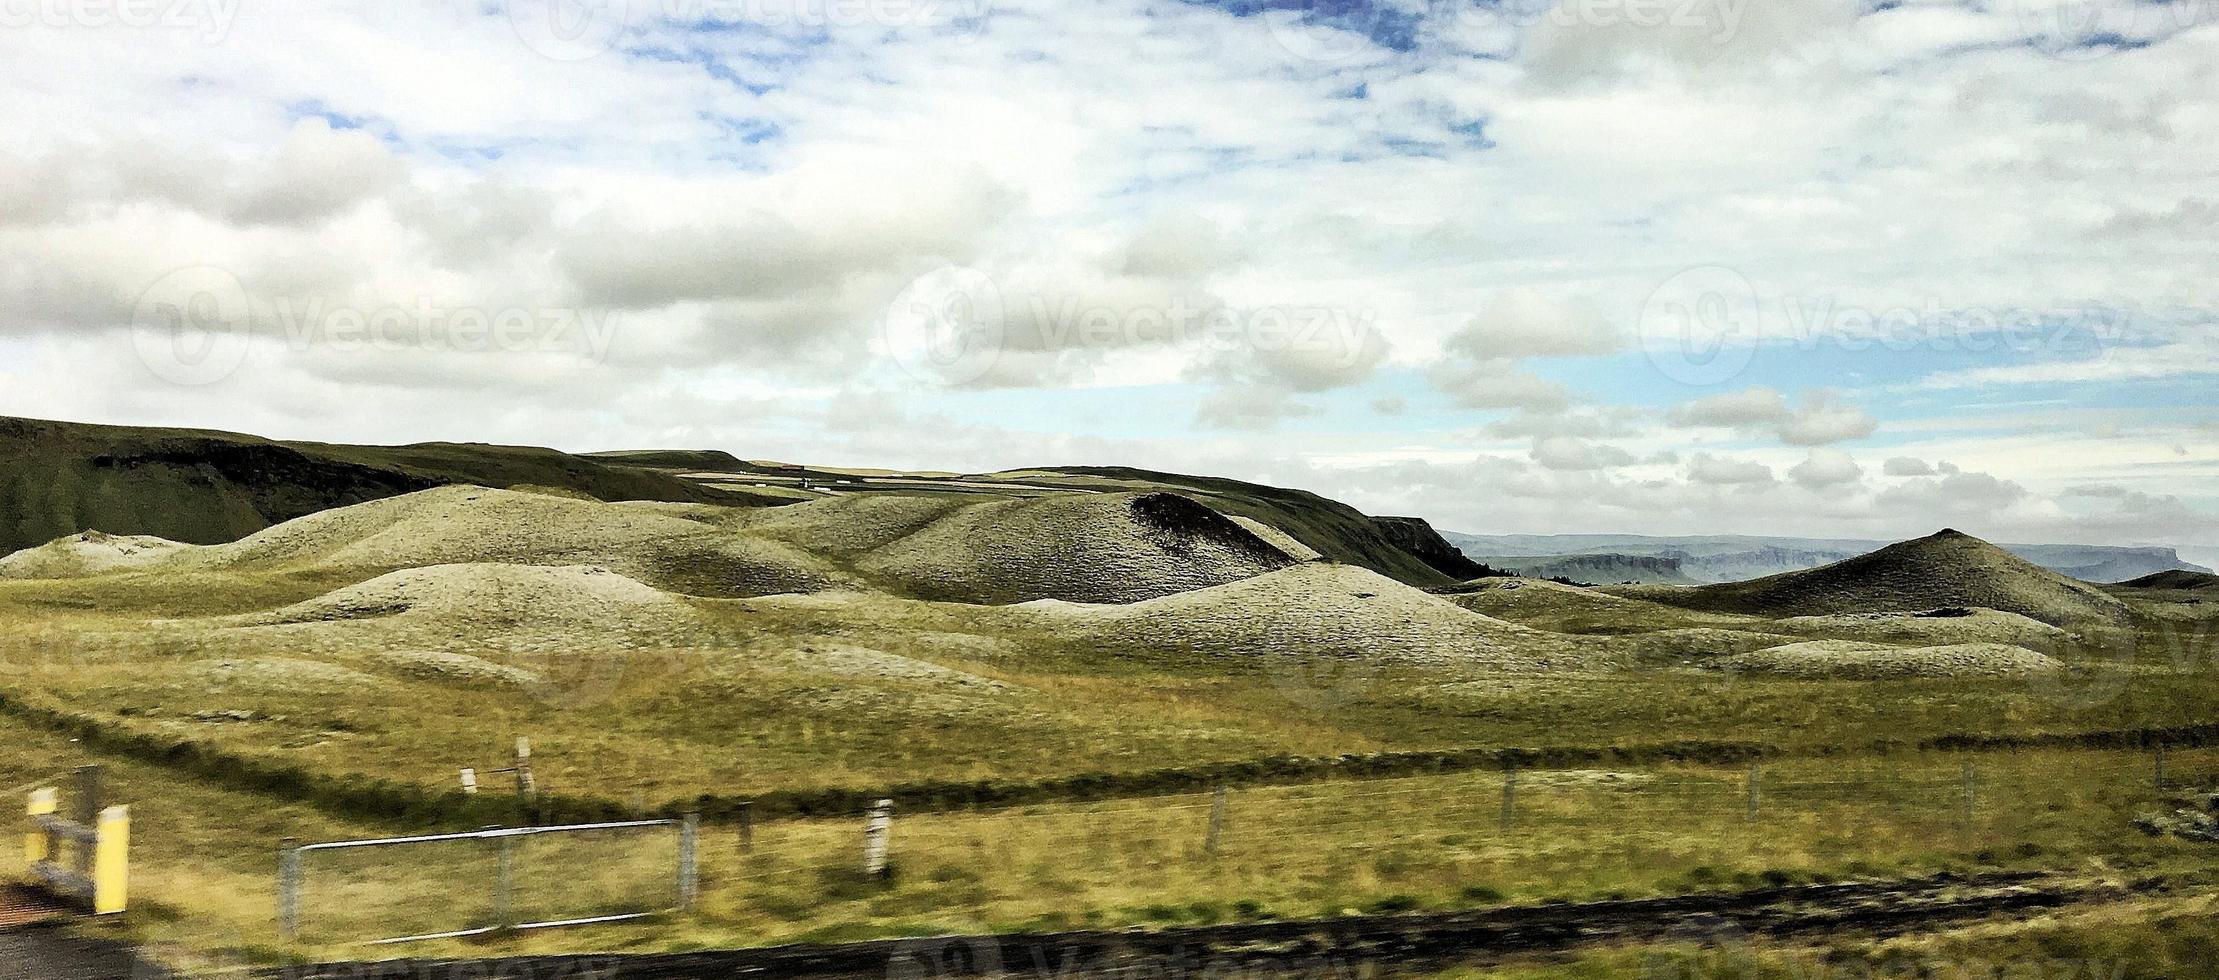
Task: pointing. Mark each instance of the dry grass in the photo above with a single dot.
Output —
(1850, 660)
(1112, 547)
(205, 882)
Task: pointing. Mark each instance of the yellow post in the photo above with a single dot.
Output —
(111, 861)
(43, 803)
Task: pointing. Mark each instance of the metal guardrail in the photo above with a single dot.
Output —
(686, 874)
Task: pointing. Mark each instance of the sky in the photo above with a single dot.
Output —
(1659, 266)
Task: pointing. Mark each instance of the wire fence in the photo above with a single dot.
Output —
(446, 886)
(1447, 833)
(1471, 836)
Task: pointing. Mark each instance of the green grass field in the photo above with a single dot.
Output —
(205, 859)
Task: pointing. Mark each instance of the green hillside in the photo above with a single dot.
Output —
(205, 487)
(1335, 530)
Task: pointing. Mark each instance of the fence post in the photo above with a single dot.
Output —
(88, 812)
(526, 786)
(875, 833)
(1968, 796)
(689, 867)
(747, 827)
(110, 869)
(1509, 792)
(38, 842)
(288, 888)
(1217, 820)
(2158, 771)
(470, 781)
(504, 881)
(1754, 776)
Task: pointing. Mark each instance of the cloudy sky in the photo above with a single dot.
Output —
(1671, 266)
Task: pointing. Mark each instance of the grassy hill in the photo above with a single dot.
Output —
(1333, 529)
(1948, 568)
(1738, 557)
(1110, 547)
(2177, 579)
(205, 487)
(676, 459)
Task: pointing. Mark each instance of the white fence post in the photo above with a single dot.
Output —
(1755, 775)
(689, 867)
(876, 830)
(1509, 792)
(1217, 820)
(288, 888)
(526, 786)
(504, 882)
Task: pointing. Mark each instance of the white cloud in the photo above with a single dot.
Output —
(1525, 323)
(1817, 421)
(1495, 384)
(1958, 494)
(1570, 453)
(1826, 469)
(1723, 471)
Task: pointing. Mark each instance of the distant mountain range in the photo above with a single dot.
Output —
(1653, 559)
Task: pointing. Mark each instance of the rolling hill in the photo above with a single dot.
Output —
(1395, 547)
(1737, 557)
(190, 486)
(1308, 611)
(2176, 580)
(1945, 569)
(1115, 547)
(206, 487)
